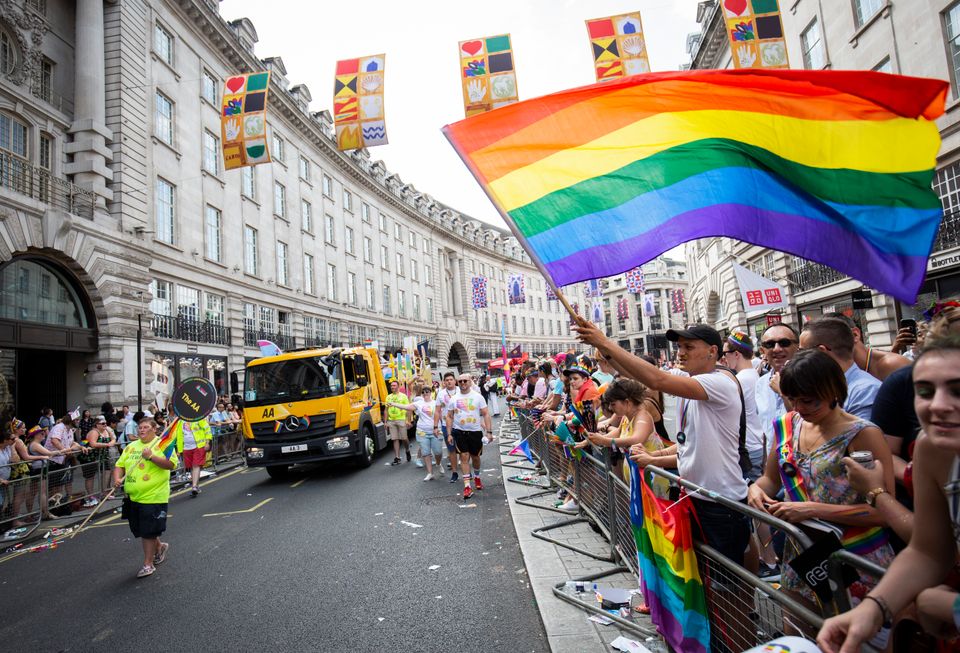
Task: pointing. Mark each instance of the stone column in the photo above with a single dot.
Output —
(457, 285)
(89, 148)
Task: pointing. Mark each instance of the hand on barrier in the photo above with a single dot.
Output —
(641, 456)
(757, 498)
(846, 632)
(793, 511)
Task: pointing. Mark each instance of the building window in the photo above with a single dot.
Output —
(365, 212)
(163, 44)
(213, 220)
(209, 88)
(306, 216)
(884, 66)
(164, 121)
(386, 299)
(952, 19)
(383, 223)
(428, 276)
(283, 268)
(249, 187)
(351, 288)
(413, 240)
(279, 199)
(947, 185)
(39, 6)
(162, 303)
(214, 310)
(384, 257)
(371, 295)
(367, 250)
(44, 84)
(397, 231)
(304, 169)
(328, 227)
(165, 208)
(348, 240)
(814, 56)
(308, 274)
(188, 302)
(327, 186)
(277, 148)
(399, 264)
(347, 200)
(13, 136)
(46, 152)
(413, 270)
(331, 282)
(426, 246)
(211, 153)
(416, 307)
(866, 9)
(429, 309)
(251, 262)
(402, 303)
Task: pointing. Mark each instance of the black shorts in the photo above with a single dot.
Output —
(145, 519)
(470, 442)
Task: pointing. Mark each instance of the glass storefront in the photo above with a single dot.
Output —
(932, 290)
(170, 369)
(842, 304)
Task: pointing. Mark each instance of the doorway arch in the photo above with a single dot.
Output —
(458, 357)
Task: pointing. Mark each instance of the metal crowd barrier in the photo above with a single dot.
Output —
(744, 610)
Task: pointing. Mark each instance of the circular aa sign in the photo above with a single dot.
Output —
(194, 399)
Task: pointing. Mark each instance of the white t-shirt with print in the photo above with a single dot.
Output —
(709, 455)
(444, 398)
(425, 413)
(748, 381)
(466, 411)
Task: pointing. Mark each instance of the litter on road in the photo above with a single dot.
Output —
(468, 505)
(600, 619)
(433, 567)
(411, 524)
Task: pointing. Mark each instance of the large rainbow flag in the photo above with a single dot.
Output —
(831, 166)
(669, 576)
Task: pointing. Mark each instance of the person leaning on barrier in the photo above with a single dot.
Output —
(919, 572)
(709, 411)
(805, 461)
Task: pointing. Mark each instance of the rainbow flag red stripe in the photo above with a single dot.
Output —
(821, 164)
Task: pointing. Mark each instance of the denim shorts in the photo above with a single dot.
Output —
(429, 443)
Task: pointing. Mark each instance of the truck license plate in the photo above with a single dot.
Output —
(293, 447)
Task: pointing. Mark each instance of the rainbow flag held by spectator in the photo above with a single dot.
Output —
(566, 437)
(669, 576)
(832, 166)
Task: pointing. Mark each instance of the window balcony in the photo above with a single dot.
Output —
(284, 341)
(190, 330)
(39, 184)
(813, 275)
(949, 234)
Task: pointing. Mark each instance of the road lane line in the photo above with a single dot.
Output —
(238, 512)
(300, 482)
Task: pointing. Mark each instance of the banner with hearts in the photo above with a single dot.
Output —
(618, 46)
(358, 102)
(755, 32)
(243, 120)
(487, 74)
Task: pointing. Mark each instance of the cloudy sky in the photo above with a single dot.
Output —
(422, 90)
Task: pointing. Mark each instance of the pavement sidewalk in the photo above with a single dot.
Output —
(569, 628)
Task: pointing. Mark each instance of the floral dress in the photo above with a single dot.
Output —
(825, 480)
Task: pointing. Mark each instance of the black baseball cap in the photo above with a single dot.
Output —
(697, 332)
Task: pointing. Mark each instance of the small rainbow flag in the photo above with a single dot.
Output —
(669, 576)
(831, 166)
(524, 448)
(168, 439)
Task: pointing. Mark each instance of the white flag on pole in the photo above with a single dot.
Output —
(759, 293)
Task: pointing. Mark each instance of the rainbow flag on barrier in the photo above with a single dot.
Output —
(669, 576)
(524, 448)
(831, 166)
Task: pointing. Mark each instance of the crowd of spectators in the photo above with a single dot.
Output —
(78, 444)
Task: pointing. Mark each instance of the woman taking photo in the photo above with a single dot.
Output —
(805, 461)
(918, 571)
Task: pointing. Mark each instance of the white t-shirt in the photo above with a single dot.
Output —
(466, 411)
(444, 397)
(425, 412)
(189, 442)
(709, 455)
(748, 381)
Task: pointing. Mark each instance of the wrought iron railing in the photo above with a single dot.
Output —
(189, 329)
(813, 275)
(282, 340)
(949, 234)
(39, 184)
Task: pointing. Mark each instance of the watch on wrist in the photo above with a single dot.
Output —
(873, 494)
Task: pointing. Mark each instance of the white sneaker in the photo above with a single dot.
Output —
(428, 477)
(419, 462)
(570, 505)
(439, 470)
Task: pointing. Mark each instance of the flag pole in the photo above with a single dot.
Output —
(517, 233)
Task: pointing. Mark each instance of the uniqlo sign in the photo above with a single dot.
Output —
(772, 295)
(755, 298)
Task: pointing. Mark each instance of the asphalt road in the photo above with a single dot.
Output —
(320, 562)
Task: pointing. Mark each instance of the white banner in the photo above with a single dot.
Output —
(759, 293)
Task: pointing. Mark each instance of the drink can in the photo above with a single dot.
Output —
(864, 458)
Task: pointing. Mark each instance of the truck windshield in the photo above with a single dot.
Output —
(297, 379)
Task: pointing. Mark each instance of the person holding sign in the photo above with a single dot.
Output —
(144, 472)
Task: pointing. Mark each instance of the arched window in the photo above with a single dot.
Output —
(32, 291)
(8, 52)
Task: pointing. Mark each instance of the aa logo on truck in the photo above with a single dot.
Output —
(267, 412)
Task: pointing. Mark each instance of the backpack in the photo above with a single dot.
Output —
(743, 454)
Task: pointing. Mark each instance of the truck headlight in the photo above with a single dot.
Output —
(254, 452)
(341, 442)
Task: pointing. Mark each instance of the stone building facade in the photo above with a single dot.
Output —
(118, 223)
(908, 37)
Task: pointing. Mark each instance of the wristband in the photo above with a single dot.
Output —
(885, 613)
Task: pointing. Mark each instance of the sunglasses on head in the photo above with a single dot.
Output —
(783, 342)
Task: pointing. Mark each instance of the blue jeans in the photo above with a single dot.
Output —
(724, 529)
(429, 443)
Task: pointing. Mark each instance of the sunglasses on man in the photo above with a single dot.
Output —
(783, 342)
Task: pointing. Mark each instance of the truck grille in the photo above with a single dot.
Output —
(290, 431)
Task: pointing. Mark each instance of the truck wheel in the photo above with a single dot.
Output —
(278, 472)
(369, 448)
